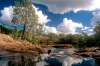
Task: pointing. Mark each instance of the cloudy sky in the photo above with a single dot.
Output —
(59, 16)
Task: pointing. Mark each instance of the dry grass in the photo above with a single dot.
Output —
(7, 43)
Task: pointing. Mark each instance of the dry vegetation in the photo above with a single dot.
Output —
(7, 43)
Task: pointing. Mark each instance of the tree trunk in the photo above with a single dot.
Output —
(23, 36)
(23, 61)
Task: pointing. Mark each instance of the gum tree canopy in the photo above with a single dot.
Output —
(97, 29)
(24, 14)
(97, 33)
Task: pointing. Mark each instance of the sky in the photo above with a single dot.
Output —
(59, 16)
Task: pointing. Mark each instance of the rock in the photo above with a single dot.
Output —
(89, 52)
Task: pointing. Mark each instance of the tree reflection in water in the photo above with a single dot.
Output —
(27, 62)
(97, 60)
(39, 61)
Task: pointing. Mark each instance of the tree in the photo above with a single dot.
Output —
(97, 29)
(97, 33)
(66, 39)
(24, 14)
(15, 33)
(53, 38)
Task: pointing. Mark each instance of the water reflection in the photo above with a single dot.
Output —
(67, 61)
(97, 60)
(62, 57)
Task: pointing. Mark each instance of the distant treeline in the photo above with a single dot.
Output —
(79, 40)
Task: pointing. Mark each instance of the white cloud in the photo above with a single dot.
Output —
(63, 6)
(48, 29)
(85, 28)
(96, 17)
(42, 18)
(68, 26)
(7, 14)
(96, 12)
(89, 31)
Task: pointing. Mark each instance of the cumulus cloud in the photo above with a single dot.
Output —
(96, 17)
(63, 6)
(96, 12)
(68, 26)
(7, 14)
(48, 29)
(42, 18)
(65, 27)
(89, 31)
(85, 28)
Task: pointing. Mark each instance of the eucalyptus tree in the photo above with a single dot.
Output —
(97, 33)
(24, 14)
(97, 29)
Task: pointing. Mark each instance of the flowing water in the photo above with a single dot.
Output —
(61, 57)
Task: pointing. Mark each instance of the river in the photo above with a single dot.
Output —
(61, 57)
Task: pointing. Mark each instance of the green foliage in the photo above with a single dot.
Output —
(97, 29)
(97, 60)
(38, 37)
(13, 32)
(97, 33)
(5, 30)
(52, 38)
(24, 14)
(16, 33)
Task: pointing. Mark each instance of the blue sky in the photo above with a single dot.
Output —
(59, 16)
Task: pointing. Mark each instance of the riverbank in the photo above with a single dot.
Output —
(89, 52)
(7, 43)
